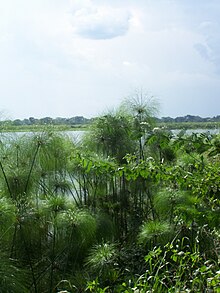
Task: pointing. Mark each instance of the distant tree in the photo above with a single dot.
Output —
(46, 120)
(26, 121)
(79, 119)
(17, 122)
(59, 120)
(32, 120)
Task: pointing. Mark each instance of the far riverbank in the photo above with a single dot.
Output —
(213, 127)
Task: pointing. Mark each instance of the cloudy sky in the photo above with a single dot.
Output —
(63, 58)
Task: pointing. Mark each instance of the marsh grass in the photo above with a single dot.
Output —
(82, 218)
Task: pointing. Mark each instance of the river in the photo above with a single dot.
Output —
(77, 135)
(199, 130)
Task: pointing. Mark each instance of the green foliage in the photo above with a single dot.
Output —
(93, 286)
(177, 268)
(101, 257)
(159, 142)
(134, 209)
(111, 136)
(13, 278)
(155, 230)
(7, 220)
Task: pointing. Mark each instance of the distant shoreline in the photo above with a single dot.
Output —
(84, 127)
(41, 128)
(189, 125)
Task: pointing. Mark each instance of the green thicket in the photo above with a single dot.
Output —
(130, 208)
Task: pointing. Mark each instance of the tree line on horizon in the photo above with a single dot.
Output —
(81, 120)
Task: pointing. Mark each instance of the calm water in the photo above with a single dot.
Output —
(77, 135)
(190, 131)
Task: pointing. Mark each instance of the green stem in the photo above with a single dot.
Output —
(32, 166)
(6, 180)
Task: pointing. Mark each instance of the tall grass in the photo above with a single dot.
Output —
(77, 217)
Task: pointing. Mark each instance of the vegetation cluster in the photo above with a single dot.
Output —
(77, 120)
(129, 208)
(35, 124)
(82, 123)
(190, 118)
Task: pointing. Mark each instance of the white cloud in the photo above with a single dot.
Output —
(79, 57)
(203, 50)
(101, 22)
(210, 48)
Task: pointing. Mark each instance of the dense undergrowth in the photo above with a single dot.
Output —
(130, 208)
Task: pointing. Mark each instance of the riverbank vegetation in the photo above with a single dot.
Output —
(8, 127)
(81, 123)
(129, 208)
(190, 125)
(206, 126)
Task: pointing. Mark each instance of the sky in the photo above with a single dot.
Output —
(66, 58)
